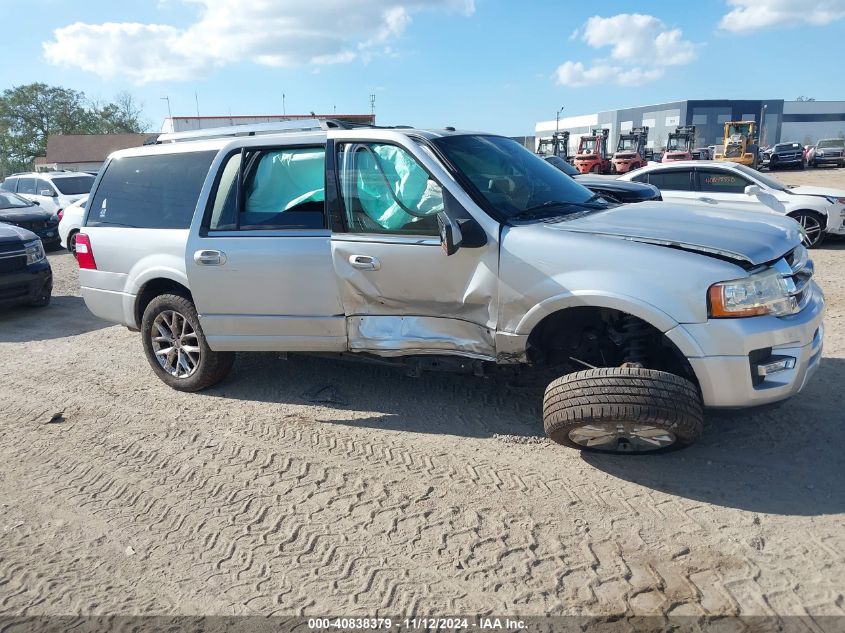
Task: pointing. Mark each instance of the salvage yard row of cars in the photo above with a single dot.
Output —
(465, 252)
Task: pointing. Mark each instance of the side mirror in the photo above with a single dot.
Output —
(35, 202)
(753, 190)
(47, 192)
(457, 228)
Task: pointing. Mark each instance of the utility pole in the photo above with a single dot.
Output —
(762, 118)
(373, 106)
(169, 113)
(197, 99)
(284, 110)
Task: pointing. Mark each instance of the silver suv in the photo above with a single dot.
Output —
(450, 250)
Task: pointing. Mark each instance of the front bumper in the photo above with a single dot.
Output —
(722, 363)
(25, 286)
(828, 160)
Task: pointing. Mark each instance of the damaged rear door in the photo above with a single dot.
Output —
(400, 292)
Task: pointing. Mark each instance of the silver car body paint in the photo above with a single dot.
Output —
(298, 290)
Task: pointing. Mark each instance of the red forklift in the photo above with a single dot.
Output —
(592, 156)
(555, 145)
(631, 152)
(680, 144)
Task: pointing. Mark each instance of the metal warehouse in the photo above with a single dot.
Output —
(801, 121)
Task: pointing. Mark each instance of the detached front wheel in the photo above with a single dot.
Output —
(623, 410)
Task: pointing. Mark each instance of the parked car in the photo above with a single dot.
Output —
(716, 185)
(71, 222)
(829, 151)
(609, 188)
(457, 251)
(25, 274)
(28, 215)
(54, 191)
(783, 155)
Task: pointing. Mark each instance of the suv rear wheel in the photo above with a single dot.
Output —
(623, 410)
(176, 347)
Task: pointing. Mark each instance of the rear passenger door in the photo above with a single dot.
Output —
(676, 185)
(259, 258)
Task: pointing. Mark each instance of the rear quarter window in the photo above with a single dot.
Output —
(678, 180)
(150, 192)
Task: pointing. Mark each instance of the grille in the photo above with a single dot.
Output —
(798, 270)
(39, 225)
(733, 151)
(12, 264)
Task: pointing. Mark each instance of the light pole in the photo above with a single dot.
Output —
(557, 120)
(169, 113)
(762, 119)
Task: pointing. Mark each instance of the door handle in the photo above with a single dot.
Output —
(210, 258)
(708, 200)
(364, 262)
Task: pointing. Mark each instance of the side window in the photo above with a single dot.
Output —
(43, 185)
(10, 184)
(385, 190)
(158, 191)
(271, 189)
(713, 181)
(26, 185)
(640, 178)
(675, 180)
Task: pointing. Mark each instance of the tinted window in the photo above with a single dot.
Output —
(26, 185)
(74, 185)
(385, 190)
(9, 184)
(282, 189)
(675, 180)
(43, 185)
(157, 192)
(712, 181)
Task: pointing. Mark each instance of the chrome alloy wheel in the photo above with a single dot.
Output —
(812, 229)
(175, 344)
(622, 437)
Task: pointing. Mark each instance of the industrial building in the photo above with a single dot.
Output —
(804, 122)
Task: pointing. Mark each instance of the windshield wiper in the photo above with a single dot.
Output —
(536, 211)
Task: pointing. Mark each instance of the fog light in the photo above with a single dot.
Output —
(774, 364)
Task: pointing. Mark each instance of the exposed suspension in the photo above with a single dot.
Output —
(635, 336)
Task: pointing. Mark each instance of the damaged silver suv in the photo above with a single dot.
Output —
(449, 250)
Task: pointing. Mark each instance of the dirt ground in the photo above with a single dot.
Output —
(311, 486)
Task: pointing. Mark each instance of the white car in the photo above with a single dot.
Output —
(53, 191)
(726, 185)
(70, 221)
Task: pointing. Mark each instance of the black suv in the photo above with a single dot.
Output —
(25, 274)
(29, 215)
(784, 155)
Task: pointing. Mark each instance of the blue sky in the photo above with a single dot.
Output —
(496, 65)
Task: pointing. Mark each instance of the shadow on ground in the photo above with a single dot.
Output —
(65, 316)
(787, 460)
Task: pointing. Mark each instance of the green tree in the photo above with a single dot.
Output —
(30, 114)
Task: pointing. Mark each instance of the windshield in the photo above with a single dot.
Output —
(756, 175)
(74, 185)
(588, 146)
(831, 142)
(676, 143)
(11, 201)
(510, 178)
(626, 144)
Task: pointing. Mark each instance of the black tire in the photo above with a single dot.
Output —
(211, 368)
(802, 166)
(814, 224)
(43, 299)
(626, 398)
(71, 242)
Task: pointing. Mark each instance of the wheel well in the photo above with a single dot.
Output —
(153, 289)
(821, 216)
(603, 337)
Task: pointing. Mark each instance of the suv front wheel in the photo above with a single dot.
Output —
(176, 347)
(623, 410)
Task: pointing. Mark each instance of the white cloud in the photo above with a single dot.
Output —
(752, 15)
(641, 47)
(267, 32)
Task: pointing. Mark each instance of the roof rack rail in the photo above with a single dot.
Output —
(279, 127)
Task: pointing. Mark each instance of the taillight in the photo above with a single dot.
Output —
(60, 213)
(84, 254)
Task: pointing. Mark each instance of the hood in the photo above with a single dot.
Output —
(753, 237)
(10, 233)
(25, 214)
(817, 191)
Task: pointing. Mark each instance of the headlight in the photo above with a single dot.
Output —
(34, 252)
(765, 292)
(833, 200)
(820, 153)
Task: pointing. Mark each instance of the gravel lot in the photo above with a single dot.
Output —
(310, 486)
